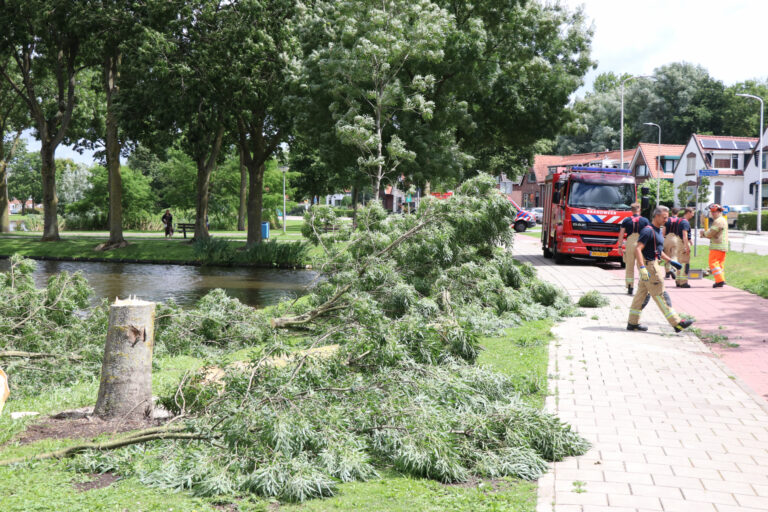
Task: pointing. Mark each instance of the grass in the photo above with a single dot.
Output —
(521, 352)
(746, 271)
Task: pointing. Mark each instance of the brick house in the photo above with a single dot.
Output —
(645, 163)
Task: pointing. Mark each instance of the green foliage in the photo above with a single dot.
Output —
(748, 221)
(593, 299)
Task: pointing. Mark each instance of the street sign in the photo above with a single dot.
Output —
(708, 172)
(726, 210)
(409, 198)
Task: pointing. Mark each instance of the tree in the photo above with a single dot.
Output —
(43, 38)
(24, 177)
(742, 116)
(667, 192)
(13, 120)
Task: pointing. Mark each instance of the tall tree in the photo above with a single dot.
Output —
(43, 39)
(14, 118)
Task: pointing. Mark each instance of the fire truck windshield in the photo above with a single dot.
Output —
(601, 195)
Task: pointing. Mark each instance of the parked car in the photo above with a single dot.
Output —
(737, 209)
(524, 219)
(538, 214)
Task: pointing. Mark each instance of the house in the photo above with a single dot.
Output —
(751, 175)
(724, 154)
(14, 206)
(510, 187)
(393, 198)
(605, 159)
(533, 182)
(645, 163)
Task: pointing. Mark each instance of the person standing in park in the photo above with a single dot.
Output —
(168, 221)
(718, 244)
(671, 240)
(648, 252)
(684, 252)
(631, 226)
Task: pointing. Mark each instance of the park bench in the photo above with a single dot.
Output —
(184, 226)
(329, 227)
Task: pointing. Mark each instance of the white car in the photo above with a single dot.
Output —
(735, 211)
(538, 214)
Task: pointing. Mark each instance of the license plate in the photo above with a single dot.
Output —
(598, 254)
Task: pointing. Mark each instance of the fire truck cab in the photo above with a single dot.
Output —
(583, 211)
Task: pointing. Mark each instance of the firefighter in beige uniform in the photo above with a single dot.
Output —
(631, 226)
(671, 240)
(684, 233)
(649, 250)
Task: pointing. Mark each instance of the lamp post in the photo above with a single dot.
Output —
(284, 171)
(759, 162)
(621, 161)
(658, 179)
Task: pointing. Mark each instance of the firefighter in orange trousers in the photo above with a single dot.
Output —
(631, 226)
(684, 233)
(671, 240)
(648, 253)
(718, 244)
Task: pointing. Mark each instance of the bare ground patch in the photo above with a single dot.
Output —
(98, 481)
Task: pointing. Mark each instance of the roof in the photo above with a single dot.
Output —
(650, 154)
(725, 142)
(541, 163)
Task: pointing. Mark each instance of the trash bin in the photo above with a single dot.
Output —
(264, 230)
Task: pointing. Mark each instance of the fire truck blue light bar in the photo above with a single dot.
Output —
(601, 169)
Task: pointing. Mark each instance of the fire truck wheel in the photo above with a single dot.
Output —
(559, 257)
(547, 252)
(520, 226)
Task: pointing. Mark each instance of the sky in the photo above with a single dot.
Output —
(723, 36)
(637, 37)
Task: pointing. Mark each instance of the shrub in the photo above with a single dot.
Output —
(748, 221)
(593, 299)
(272, 252)
(213, 251)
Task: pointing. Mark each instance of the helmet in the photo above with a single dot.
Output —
(714, 207)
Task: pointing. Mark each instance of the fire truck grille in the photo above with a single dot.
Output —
(601, 226)
(594, 248)
(595, 239)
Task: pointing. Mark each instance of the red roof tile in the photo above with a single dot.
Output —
(650, 154)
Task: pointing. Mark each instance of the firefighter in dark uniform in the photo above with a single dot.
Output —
(648, 253)
(671, 240)
(631, 227)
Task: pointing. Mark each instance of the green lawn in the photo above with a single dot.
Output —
(747, 271)
(522, 352)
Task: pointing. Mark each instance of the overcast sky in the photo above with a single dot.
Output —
(723, 36)
(637, 37)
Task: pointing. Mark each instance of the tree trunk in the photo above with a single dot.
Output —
(5, 215)
(112, 143)
(50, 200)
(125, 390)
(243, 209)
(201, 210)
(354, 206)
(255, 202)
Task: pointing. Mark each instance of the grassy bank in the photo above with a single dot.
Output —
(746, 271)
(522, 353)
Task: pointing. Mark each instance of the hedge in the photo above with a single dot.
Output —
(748, 221)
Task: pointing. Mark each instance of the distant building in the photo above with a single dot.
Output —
(727, 155)
(645, 164)
(751, 175)
(14, 206)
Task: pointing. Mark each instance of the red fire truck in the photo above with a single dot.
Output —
(583, 210)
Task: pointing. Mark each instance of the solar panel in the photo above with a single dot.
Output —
(710, 144)
(744, 144)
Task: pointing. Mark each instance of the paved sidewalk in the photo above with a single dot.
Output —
(671, 428)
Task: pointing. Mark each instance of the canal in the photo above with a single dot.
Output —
(185, 284)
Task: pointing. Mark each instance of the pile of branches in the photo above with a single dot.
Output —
(406, 299)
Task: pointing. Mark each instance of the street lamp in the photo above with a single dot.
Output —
(284, 171)
(658, 179)
(621, 161)
(759, 162)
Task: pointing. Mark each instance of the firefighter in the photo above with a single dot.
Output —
(718, 244)
(671, 240)
(648, 252)
(631, 226)
(684, 233)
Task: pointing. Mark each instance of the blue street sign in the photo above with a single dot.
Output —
(708, 172)
(726, 210)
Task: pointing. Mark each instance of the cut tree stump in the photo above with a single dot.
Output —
(125, 390)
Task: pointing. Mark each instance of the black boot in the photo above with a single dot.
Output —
(683, 325)
(636, 327)
(630, 290)
(684, 285)
(719, 285)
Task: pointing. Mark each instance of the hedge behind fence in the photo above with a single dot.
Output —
(748, 221)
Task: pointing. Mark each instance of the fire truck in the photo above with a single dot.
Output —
(583, 211)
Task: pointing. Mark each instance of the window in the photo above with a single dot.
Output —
(722, 162)
(734, 163)
(599, 195)
(532, 177)
(669, 166)
(641, 170)
(718, 192)
(537, 199)
(691, 164)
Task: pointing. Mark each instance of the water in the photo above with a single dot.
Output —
(185, 284)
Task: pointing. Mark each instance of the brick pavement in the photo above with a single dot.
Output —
(672, 429)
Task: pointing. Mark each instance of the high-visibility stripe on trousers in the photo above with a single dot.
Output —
(654, 286)
(629, 259)
(717, 265)
(684, 258)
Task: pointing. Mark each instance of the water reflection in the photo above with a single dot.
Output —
(185, 284)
